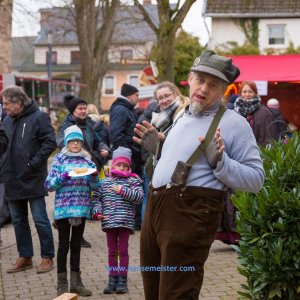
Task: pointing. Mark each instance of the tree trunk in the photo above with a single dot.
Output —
(166, 52)
(94, 43)
(5, 35)
(170, 19)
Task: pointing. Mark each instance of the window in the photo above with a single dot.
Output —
(134, 80)
(75, 57)
(53, 59)
(276, 34)
(127, 54)
(109, 84)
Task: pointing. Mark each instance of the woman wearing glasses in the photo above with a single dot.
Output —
(171, 105)
(168, 106)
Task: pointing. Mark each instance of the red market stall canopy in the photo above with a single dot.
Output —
(268, 67)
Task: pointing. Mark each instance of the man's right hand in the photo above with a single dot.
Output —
(149, 137)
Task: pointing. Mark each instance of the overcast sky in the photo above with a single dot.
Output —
(27, 23)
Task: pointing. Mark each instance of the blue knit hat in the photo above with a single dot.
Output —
(72, 133)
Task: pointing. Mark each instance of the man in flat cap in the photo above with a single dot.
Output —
(187, 192)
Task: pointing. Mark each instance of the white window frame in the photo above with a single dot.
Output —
(283, 26)
(138, 81)
(114, 85)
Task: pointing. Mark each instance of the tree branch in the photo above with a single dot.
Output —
(146, 16)
(182, 12)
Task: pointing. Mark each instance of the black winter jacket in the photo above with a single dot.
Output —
(3, 139)
(95, 134)
(24, 164)
(122, 122)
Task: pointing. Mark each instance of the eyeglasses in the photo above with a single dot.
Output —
(166, 96)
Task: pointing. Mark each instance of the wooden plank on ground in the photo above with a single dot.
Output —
(67, 296)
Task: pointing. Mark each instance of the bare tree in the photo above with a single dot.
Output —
(94, 41)
(171, 17)
(5, 35)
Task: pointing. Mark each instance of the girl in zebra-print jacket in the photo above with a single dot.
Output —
(114, 204)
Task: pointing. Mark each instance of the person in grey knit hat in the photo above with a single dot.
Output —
(183, 212)
(114, 204)
(122, 122)
(122, 154)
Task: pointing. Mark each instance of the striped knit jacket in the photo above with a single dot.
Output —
(117, 209)
(72, 198)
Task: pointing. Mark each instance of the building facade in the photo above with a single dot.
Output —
(272, 25)
(129, 52)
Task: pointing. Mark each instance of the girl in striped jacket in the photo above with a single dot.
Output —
(113, 204)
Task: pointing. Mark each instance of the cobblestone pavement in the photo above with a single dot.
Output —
(221, 277)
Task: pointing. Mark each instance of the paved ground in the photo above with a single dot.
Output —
(221, 277)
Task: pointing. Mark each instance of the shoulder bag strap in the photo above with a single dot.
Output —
(209, 136)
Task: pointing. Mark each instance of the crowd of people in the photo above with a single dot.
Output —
(172, 172)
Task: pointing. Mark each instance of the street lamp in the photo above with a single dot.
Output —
(49, 67)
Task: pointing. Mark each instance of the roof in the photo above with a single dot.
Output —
(251, 8)
(131, 26)
(268, 67)
(22, 47)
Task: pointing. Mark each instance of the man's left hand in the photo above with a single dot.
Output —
(214, 150)
(149, 136)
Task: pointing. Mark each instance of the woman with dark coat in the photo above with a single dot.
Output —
(265, 129)
(259, 117)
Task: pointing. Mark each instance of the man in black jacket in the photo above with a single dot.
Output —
(24, 170)
(122, 122)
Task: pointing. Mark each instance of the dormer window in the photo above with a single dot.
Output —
(127, 54)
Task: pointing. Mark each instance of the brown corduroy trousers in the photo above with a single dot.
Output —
(177, 232)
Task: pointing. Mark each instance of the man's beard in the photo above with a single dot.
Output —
(197, 108)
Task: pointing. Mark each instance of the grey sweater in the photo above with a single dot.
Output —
(240, 168)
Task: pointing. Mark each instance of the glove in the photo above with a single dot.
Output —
(212, 153)
(65, 176)
(150, 140)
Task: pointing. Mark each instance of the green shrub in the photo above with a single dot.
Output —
(269, 223)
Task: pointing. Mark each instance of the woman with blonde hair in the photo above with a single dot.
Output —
(168, 106)
(171, 105)
(93, 112)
